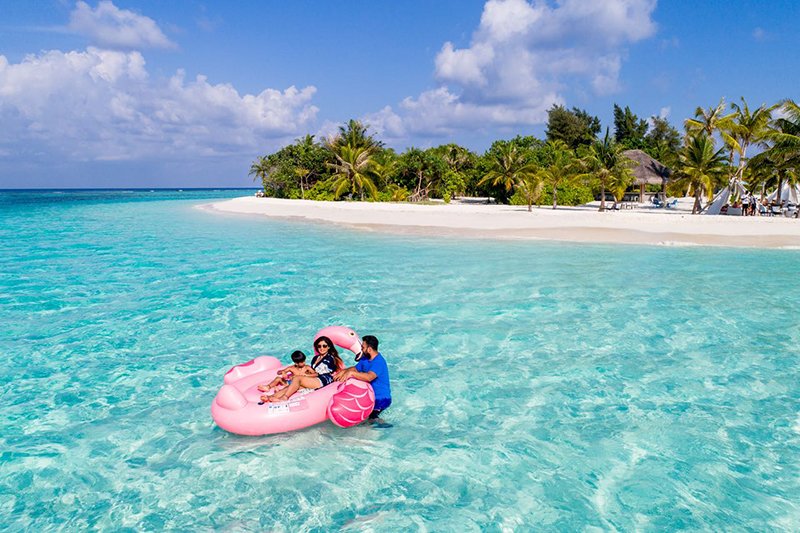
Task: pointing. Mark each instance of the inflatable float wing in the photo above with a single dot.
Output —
(237, 407)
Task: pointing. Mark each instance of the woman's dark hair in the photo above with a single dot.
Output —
(298, 356)
(370, 341)
(331, 350)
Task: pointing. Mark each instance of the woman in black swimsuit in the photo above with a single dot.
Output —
(325, 363)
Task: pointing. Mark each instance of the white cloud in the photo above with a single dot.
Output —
(521, 46)
(102, 104)
(464, 65)
(109, 26)
(439, 113)
(387, 124)
(759, 34)
(521, 59)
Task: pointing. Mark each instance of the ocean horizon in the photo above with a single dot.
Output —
(536, 385)
(85, 189)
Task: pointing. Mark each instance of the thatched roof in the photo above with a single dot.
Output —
(647, 170)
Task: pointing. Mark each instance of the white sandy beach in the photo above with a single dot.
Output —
(642, 225)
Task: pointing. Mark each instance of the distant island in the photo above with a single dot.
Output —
(573, 165)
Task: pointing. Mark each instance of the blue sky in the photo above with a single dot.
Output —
(180, 94)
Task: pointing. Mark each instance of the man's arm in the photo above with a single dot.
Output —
(351, 372)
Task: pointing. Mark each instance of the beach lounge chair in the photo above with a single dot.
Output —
(657, 202)
(672, 204)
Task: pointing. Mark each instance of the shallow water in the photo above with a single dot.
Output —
(546, 385)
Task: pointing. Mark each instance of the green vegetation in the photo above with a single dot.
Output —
(608, 168)
(701, 165)
(571, 167)
(574, 128)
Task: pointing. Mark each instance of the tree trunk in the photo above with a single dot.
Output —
(529, 204)
(419, 184)
(302, 189)
(742, 162)
(696, 206)
(555, 191)
(603, 196)
(780, 186)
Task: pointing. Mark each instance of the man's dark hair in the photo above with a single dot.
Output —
(298, 356)
(370, 341)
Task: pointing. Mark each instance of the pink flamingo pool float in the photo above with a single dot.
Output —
(237, 407)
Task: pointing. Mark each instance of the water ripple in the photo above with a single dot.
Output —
(535, 385)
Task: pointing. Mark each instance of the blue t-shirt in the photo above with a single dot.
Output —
(381, 383)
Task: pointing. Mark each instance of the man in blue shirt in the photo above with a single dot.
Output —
(371, 367)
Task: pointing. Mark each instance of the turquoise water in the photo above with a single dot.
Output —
(536, 385)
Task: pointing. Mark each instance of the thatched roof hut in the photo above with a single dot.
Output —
(648, 171)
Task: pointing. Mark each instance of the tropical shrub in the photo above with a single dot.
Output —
(322, 190)
(568, 194)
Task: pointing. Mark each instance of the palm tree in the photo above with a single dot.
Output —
(759, 173)
(351, 170)
(784, 144)
(260, 169)
(305, 147)
(508, 167)
(747, 128)
(530, 186)
(562, 166)
(456, 157)
(398, 193)
(384, 166)
(701, 166)
(709, 120)
(617, 186)
(606, 164)
(458, 160)
(354, 134)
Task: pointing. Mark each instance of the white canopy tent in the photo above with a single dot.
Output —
(723, 196)
(789, 193)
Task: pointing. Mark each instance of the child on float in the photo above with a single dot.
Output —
(325, 363)
(285, 375)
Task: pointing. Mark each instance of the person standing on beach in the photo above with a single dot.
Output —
(372, 368)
